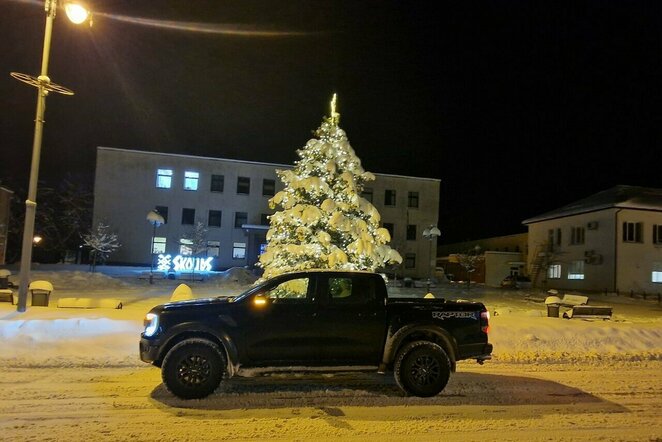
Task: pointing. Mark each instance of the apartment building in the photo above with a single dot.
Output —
(230, 197)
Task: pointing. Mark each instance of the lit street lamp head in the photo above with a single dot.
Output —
(76, 12)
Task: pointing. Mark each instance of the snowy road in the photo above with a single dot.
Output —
(605, 401)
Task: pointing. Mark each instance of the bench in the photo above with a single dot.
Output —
(7, 295)
(573, 300)
(589, 312)
(40, 292)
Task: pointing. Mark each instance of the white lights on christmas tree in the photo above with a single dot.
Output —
(322, 221)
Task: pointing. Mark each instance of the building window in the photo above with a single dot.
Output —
(264, 219)
(657, 234)
(412, 199)
(164, 178)
(188, 216)
(163, 211)
(214, 218)
(268, 187)
(411, 232)
(185, 246)
(410, 261)
(554, 271)
(391, 228)
(239, 250)
(191, 180)
(159, 245)
(577, 235)
(217, 183)
(558, 237)
(240, 218)
(657, 272)
(632, 232)
(389, 197)
(367, 194)
(213, 248)
(243, 185)
(576, 270)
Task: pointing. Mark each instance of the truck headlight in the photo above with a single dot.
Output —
(151, 323)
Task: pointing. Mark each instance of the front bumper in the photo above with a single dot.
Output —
(149, 351)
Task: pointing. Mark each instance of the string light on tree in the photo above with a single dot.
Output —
(322, 221)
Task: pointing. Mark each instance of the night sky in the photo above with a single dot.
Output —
(518, 107)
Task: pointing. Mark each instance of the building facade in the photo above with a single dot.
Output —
(610, 241)
(230, 198)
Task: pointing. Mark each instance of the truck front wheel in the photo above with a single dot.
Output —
(422, 368)
(193, 369)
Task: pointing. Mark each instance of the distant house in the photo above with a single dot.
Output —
(610, 241)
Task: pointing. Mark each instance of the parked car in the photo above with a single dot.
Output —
(327, 319)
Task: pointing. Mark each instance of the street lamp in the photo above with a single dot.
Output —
(155, 219)
(431, 233)
(44, 87)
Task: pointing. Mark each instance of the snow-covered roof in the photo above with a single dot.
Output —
(618, 197)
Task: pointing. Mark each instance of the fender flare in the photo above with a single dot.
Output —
(395, 341)
(187, 330)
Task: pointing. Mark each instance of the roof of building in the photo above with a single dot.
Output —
(276, 165)
(618, 197)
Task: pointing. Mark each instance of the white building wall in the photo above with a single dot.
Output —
(125, 191)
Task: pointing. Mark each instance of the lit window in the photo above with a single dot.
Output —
(214, 218)
(164, 178)
(239, 250)
(213, 248)
(412, 199)
(268, 187)
(159, 245)
(576, 270)
(554, 271)
(657, 272)
(185, 246)
(191, 180)
(243, 185)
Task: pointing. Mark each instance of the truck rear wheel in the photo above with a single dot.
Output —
(193, 369)
(422, 368)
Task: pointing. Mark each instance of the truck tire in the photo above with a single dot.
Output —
(422, 368)
(193, 368)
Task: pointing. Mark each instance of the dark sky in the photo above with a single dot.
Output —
(518, 107)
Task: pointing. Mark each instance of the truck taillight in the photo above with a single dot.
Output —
(485, 321)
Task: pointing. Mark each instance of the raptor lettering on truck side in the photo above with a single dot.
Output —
(457, 315)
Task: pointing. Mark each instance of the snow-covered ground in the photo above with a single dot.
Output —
(55, 342)
(520, 328)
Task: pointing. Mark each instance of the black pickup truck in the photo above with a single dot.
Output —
(329, 319)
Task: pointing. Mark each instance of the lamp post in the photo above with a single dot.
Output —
(76, 14)
(155, 219)
(431, 233)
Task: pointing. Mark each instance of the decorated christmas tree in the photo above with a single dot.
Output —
(322, 222)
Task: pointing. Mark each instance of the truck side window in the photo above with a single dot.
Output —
(351, 290)
(294, 290)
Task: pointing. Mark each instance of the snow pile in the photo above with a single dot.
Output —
(520, 330)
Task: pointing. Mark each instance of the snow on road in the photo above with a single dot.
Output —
(73, 374)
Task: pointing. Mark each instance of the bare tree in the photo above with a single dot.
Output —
(470, 261)
(102, 242)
